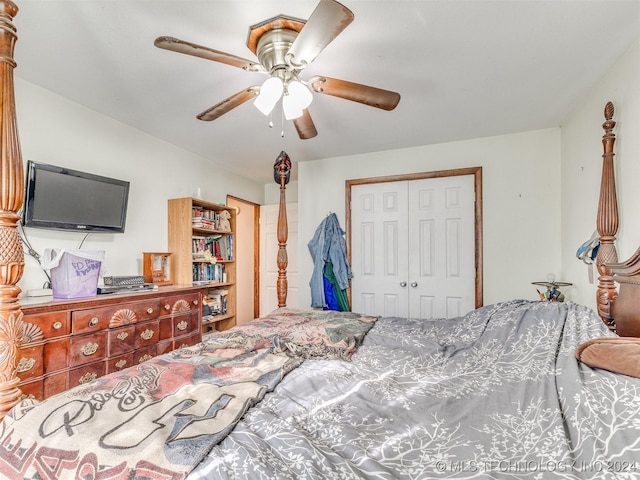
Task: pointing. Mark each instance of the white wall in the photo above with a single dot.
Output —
(521, 211)
(582, 167)
(55, 130)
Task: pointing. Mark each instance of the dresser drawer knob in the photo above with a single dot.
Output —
(195, 302)
(182, 325)
(87, 377)
(147, 334)
(25, 364)
(144, 358)
(120, 364)
(167, 306)
(89, 349)
(123, 335)
(57, 325)
(93, 322)
(150, 310)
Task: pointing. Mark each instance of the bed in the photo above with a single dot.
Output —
(519, 389)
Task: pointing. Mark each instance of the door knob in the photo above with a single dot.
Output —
(414, 284)
(403, 284)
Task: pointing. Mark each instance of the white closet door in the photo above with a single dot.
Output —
(442, 247)
(379, 242)
(413, 247)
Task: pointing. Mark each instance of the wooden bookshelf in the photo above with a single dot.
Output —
(195, 227)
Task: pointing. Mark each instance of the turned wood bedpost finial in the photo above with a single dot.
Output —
(11, 199)
(607, 220)
(282, 171)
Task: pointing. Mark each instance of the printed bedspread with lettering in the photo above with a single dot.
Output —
(159, 419)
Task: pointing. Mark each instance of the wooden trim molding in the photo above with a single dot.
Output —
(11, 199)
(477, 174)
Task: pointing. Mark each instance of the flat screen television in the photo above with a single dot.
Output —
(64, 199)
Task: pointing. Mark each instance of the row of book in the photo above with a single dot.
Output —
(215, 302)
(203, 218)
(219, 247)
(204, 273)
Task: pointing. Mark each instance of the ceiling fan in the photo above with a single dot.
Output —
(285, 46)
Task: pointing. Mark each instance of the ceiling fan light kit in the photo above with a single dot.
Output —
(270, 92)
(285, 46)
(297, 99)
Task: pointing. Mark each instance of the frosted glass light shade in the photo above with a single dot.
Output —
(299, 97)
(270, 92)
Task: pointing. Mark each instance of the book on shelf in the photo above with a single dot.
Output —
(205, 218)
(219, 247)
(216, 299)
(205, 273)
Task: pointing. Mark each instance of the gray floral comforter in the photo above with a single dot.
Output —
(497, 393)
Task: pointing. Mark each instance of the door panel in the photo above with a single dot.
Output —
(441, 216)
(379, 248)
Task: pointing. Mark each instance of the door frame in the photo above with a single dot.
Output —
(477, 174)
(254, 209)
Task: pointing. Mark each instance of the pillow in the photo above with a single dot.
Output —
(616, 354)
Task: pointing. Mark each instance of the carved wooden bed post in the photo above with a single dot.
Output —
(607, 221)
(11, 198)
(281, 174)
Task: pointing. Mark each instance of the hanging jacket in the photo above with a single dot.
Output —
(328, 245)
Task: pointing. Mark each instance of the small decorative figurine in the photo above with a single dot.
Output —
(224, 225)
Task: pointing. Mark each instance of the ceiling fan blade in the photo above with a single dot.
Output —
(305, 126)
(356, 92)
(326, 22)
(180, 46)
(230, 103)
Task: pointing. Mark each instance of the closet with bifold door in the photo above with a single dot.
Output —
(414, 244)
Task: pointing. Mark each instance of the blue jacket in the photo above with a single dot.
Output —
(328, 245)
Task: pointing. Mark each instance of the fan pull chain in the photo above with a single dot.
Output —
(282, 122)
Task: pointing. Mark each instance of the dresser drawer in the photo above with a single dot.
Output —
(164, 347)
(180, 304)
(45, 325)
(30, 362)
(82, 375)
(56, 383)
(187, 340)
(147, 333)
(121, 340)
(88, 348)
(121, 362)
(56, 355)
(144, 354)
(166, 328)
(113, 316)
(33, 389)
(186, 324)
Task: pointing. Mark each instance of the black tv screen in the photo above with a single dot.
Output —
(65, 199)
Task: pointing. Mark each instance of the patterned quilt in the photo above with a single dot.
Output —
(495, 394)
(159, 419)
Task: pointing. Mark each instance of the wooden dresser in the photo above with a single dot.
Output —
(71, 342)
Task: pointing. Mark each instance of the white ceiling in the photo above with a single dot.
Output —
(465, 69)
